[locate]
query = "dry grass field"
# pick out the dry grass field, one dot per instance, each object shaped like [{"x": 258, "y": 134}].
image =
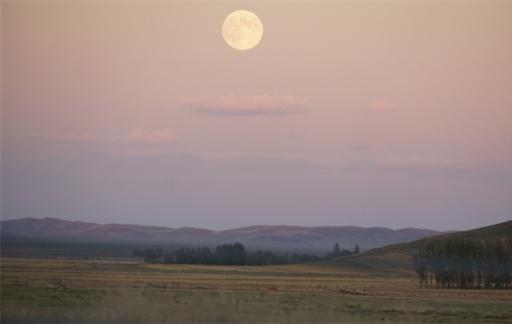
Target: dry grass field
[{"x": 85, "y": 291}]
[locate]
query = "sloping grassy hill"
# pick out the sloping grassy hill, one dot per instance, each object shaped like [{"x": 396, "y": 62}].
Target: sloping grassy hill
[{"x": 396, "y": 259}]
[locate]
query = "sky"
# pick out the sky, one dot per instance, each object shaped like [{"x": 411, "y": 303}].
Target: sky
[{"x": 385, "y": 113}]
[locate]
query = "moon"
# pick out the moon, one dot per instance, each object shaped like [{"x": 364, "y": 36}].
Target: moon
[{"x": 242, "y": 30}]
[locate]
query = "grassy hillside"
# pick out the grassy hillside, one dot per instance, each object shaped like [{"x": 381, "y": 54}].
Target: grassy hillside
[
  {"x": 396, "y": 259},
  {"x": 493, "y": 232}
]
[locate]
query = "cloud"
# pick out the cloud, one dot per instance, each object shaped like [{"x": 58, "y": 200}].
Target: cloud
[
  {"x": 381, "y": 105},
  {"x": 246, "y": 105},
  {"x": 423, "y": 162},
  {"x": 136, "y": 136},
  {"x": 137, "y": 142},
  {"x": 362, "y": 148},
  {"x": 150, "y": 137}
]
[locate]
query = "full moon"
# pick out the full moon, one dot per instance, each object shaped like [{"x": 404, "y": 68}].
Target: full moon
[{"x": 242, "y": 30}]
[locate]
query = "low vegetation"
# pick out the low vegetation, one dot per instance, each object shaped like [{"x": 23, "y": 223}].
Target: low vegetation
[{"x": 35, "y": 290}]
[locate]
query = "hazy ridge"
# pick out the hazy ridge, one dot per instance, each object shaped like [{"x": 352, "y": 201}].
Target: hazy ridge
[{"x": 276, "y": 237}]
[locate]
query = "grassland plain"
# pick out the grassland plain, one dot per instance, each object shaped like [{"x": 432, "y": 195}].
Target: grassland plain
[{"x": 37, "y": 290}]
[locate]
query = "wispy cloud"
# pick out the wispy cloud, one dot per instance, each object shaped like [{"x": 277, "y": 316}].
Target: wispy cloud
[
  {"x": 135, "y": 136},
  {"x": 381, "y": 105},
  {"x": 362, "y": 148},
  {"x": 137, "y": 142},
  {"x": 245, "y": 105},
  {"x": 424, "y": 162}
]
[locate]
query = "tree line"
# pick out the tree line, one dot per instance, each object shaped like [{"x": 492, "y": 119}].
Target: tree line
[
  {"x": 461, "y": 263},
  {"x": 233, "y": 254}
]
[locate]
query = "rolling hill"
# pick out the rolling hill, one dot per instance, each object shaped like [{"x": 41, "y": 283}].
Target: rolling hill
[
  {"x": 397, "y": 258},
  {"x": 276, "y": 238}
]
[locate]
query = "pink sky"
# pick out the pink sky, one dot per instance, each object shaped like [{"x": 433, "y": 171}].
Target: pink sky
[{"x": 347, "y": 113}]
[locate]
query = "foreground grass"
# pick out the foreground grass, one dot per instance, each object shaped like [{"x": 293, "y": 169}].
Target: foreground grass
[{"x": 56, "y": 290}]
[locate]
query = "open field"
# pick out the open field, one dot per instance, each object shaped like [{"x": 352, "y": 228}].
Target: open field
[{"x": 64, "y": 290}]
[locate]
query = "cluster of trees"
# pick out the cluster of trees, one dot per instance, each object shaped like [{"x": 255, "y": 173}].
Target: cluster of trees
[
  {"x": 227, "y": 254},
  {"x": 233, "y": 254},
  {"x": 337, "y": 251},
  {"x": 460, "y": 263}
]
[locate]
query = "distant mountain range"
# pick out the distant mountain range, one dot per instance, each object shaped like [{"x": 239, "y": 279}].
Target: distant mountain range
[{"x": 273, "y": 237}]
